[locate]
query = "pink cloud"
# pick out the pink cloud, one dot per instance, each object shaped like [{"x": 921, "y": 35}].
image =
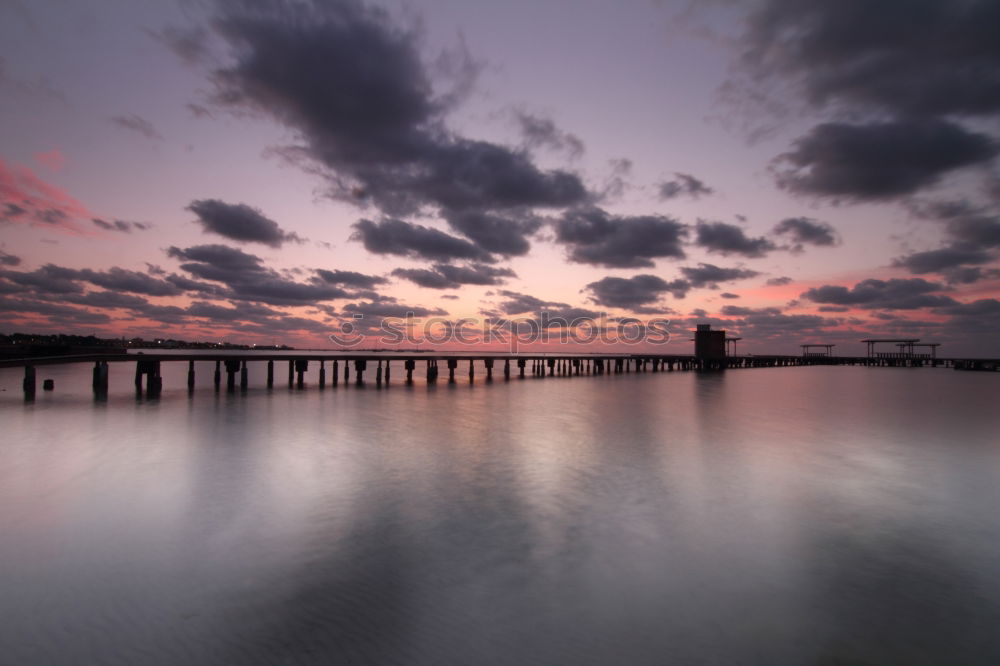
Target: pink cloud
[
  {"x": 53, "y": 160},
  {"x": 26, "y": 198}
]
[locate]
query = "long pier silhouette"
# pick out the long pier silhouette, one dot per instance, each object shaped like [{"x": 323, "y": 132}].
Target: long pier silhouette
[{"x": 336, "y": 368}]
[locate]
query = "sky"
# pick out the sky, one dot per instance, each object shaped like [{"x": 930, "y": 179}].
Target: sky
[{"x": 607, "y": 173}]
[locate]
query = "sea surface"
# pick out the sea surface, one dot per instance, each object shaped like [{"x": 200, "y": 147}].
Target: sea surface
[{"x": 805, "y": 515}]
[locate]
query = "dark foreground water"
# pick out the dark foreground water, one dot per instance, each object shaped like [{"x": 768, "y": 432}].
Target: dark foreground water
[{"x": 772, "y": 516}]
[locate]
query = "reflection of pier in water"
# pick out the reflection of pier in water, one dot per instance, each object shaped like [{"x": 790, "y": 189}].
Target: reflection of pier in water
[{"x": 711, "y": 353}]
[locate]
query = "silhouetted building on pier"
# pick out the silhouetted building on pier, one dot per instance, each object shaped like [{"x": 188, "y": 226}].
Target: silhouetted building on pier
[{"x": 709, "y": 344}]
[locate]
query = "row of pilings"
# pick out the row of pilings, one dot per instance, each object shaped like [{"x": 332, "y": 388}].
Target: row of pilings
[{"x": 149, "y": 382}]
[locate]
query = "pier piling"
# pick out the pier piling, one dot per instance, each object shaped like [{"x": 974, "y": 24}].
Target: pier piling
[{"x": 29, "y": 382}]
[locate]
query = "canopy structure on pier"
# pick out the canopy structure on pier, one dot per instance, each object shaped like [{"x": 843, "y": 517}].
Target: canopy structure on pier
[
  {"x": 905, "y": 346},
  {"x": 807, "y": 349},
  {"x": 732, "y": 342},
  {"x": 930, "y": 345}
]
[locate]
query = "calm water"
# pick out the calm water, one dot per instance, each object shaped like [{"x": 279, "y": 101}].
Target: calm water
[{"x": 776, "y": 516}]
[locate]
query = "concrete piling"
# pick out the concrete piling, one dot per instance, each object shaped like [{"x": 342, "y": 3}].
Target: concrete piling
[
  {"x": 190, "y": 377},
  {"x": 301, "y": 366},
  {"x": 244, "y": 382},
  {"x": 29, "y": 382},
  {"x": 322, "y": 374},
  {"x": 100, "y": 378},
  {"x": 232, "y": 367},
  {"x": 270, "y": 374}
]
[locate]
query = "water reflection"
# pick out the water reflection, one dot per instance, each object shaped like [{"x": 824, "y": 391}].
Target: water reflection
[{"x": 786, "y": 516}]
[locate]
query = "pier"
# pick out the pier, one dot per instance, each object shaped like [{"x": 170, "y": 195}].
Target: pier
[
  {"x": 712, "y": 353},
  {"x": 376, "y": 368}
]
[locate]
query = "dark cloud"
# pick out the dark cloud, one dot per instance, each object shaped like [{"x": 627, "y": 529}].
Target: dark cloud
[
  {"x": 779, "y": 281},
  {"x": 240, "y": 311},
  {"x": 518, "y": 303},
  {"x": 501, "y": 234},
  {"x": 122, "y": 226},
  {"x": 548, "y": 313},
  {"x": 936, "y": 261},
  {"x": 683, "y": 184},
  {"x": 49, "y": 279},
  {"x": 969, "y": 274},
  {"x": 804, "y": 231},
  {"x": 978, "y": 308},
  {"x": 7, "y": 259},
  {"x": 710, "y": 275},
  {"x": 727, "y": 294},
  {"x": 972, "y": 235},
  {"x": 879, "y": 160},
  {"x": 52, "y": 279},
  {"x": 741, "y": 311},
  {"x": 372, "y": 124},
  {"x": 905, "y": 57},
  {"x": 635, "y": 293},
  {"x": 55, "y": 312},
  {"x": 107, "y": 300},
  {"x": 350, "y": 278},
  {"x": 134, "y": 123},
  {"x": 246, "y": 278},
  {"x": 594, "y": 236},
  {"x": 239, "y": 222},
  {"x": 446, "y": 276},
  {"x": 892, "y": 294},
  {"x": 540, "y": 132},
  {"x": 771, "y": 323},
  {"x": 975, "y": 228},
  {"x": 391, "y": 236},
  {"x": 383, "y": 309},
  {"x": 727, "y": 239},
  {"x": 120, "y": 279}
]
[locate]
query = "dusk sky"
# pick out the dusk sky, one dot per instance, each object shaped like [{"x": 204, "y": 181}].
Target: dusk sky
[{"x": 260, "y": 172}]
